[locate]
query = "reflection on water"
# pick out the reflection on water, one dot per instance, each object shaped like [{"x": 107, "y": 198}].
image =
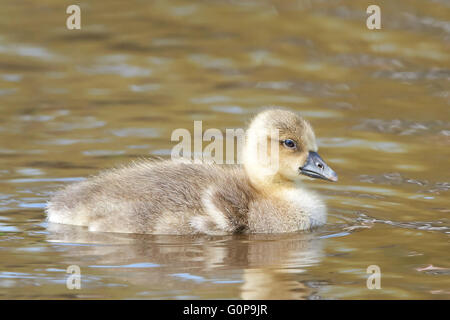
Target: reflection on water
[
  {"x": 75, "y": 102},
  {"x": 271, "y": 262}
]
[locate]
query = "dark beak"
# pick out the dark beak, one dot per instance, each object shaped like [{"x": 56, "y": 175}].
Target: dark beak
[{"x": 315, "y": 167}]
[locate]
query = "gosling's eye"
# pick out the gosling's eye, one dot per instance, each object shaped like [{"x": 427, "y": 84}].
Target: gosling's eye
[{"x": 288, "y": 143}]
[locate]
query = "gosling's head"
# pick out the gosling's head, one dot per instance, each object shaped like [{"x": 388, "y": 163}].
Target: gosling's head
[{"x": 281, "y": 145}]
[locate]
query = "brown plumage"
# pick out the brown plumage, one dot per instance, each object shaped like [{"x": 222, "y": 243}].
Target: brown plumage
[{"x": 179, "y": 197}]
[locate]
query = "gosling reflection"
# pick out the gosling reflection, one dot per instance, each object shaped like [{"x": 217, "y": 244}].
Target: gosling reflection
[{"x": 257, "y": 266}]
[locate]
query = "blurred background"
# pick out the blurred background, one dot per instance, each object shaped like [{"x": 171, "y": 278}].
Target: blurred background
[{"x": 73, "y": 102}]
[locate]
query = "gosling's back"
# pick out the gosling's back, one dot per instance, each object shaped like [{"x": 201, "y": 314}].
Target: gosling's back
[{"x": 158, "y": 197}]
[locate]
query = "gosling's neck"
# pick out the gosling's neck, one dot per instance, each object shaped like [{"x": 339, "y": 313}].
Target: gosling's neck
[{"x": 269, "y": 183}]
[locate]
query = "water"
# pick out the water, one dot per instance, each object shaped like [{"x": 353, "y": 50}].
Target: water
[{"x": 75, "y": 102}]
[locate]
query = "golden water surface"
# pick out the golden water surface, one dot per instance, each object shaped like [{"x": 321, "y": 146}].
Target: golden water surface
[{"x": 73, "y": 102}]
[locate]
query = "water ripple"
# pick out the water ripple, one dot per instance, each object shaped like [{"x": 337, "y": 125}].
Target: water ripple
[{"x": 404, "y": 127}]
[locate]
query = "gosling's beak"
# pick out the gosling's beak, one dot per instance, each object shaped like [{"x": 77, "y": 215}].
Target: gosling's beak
[{"x": 315, "y": 167}]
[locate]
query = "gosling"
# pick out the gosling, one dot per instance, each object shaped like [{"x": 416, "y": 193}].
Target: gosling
[{"x": 265, "y": 194}]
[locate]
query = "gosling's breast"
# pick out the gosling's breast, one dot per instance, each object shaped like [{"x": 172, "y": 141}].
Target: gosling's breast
[{"x": 309, "y": 207}]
